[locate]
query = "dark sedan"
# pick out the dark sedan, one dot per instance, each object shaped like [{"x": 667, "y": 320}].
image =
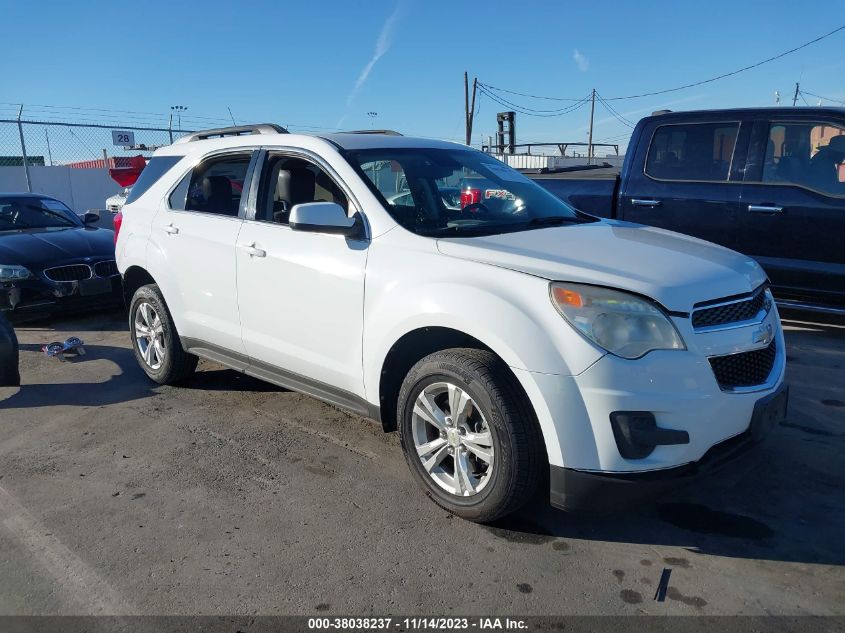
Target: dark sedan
[{"x": 50, "y": 259}]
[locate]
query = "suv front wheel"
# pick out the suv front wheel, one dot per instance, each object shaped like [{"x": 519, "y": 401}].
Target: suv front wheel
[
  {"x": 469, "y": 433},
  {"x": 155, "y": 340}
]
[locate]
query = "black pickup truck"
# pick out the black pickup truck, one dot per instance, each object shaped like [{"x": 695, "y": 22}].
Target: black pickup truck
[{"x": 768, "y": 182}]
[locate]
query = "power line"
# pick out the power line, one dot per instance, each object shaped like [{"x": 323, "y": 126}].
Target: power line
[
  {"x": 690, "y": 85},
  {"x": 523, "y": 94},
  {"x": 812, "y": 94},
  {"x": 530, "y": 111},
  {"x": 508, "y": 103},
  {"x": 615, "y": 114}
]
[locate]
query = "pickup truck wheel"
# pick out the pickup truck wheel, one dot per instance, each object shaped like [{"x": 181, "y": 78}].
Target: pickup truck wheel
[
  {"x": 155, "y": 340},
  {"x": 469, "y": 434}
]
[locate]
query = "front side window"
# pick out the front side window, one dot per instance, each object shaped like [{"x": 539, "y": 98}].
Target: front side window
[
  {"x": 287, "y": 181},
  {"x": 810, "y": 155},
  {"x": 443, "y": 192},
  {"x": 214, "y": 186},
  {"x": 698, "y": 151}
]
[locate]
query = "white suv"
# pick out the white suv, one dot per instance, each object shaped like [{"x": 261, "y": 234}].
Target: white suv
[{"x": 506, "y": 338}]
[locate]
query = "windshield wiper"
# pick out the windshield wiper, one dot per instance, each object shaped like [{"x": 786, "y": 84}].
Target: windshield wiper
[{"x": 554, "y": 220}]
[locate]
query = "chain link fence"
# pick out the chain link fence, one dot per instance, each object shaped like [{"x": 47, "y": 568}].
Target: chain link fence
[
  {"x": 69, "y": 160},
  {"x": 48, "y": 143}
]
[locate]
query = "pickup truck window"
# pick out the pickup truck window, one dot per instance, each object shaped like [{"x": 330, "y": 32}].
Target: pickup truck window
[
  {"x": 806, "y": 154},
  {"x": 693, "y": 151}
]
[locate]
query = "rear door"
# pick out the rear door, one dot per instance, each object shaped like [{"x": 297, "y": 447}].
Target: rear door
[
  {"x": 689, "y": 181},
  {"x": 196, "y": 234},
  {"x": 792, "y": 217}
]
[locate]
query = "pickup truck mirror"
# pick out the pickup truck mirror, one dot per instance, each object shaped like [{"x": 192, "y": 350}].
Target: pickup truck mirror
[
  {"x": 323, "y": 217},
  {"x": 91, "y": 216}
]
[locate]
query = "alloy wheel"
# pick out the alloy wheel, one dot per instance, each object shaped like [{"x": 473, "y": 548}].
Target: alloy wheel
[
  {"x": 149, "y": 335},
  {"x": 452, "y": 439}
]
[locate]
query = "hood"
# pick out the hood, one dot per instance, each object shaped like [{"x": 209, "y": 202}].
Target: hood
[
  {"x": 39, "y": 247},
  {"x": 676, "y": 270}
]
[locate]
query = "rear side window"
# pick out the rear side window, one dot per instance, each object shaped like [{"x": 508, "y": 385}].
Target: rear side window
[
  {"x": 698, "y": 151},
  {"x": 155, "y": 169},
  {"x": 214, "y": 186}
]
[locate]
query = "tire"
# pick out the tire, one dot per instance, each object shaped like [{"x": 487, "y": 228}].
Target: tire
[
  {"x": 497, "y": 416},
  {"x": 158, "y": 350}
]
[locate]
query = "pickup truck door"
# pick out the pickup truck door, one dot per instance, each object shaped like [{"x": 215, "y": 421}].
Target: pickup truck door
[
  {"x": 301, "y": 294},
  {"x": 792, "y": 216},
  {"x": 684, "y": 178}
]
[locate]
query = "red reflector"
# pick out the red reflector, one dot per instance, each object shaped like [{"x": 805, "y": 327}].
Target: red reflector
[
  {"x": 118, "y": 220},
  {"x": 470, "y": 196}
]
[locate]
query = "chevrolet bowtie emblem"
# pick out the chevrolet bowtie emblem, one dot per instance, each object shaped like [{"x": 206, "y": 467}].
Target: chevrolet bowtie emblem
[{"x": 763, "y": 334}]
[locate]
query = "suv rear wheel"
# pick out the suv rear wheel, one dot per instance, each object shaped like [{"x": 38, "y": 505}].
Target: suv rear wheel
[
  {"x": 469, "y": 434},
  {"x": 155, "y": 340}
]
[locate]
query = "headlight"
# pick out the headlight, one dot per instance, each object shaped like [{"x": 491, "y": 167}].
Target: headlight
[
  {"x": 12, "y": 272},
  {"x": 621, "y": 323}
]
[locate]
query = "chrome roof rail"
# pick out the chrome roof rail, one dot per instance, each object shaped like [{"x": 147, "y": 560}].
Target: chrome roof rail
[{"x": 238, "y": 130}]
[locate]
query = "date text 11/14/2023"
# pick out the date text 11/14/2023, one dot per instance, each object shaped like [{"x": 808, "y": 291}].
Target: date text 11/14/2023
[{"x": 417, "y": 623}]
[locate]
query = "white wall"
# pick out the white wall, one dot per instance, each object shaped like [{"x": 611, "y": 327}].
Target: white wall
[
  {"x": 80, "y": 189},
  {"x": 528, "y": 161}
]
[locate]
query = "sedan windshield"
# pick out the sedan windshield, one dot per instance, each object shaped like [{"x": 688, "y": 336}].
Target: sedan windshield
[
  {"x": 21, "y": 212},
  {"x": 458, "y": 192}
]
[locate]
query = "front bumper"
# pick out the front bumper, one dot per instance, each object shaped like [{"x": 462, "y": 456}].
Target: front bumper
[
  {"x": 39, "y": 296},
  {"x": 595, "y": 492}
]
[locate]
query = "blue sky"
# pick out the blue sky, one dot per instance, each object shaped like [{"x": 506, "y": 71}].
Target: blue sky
[{"x": 327, "y": 63}]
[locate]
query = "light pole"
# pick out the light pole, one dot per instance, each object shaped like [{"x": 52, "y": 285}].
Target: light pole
[
  {"x": 372, "y": 116},
  {"x": 179, "y": 109}
]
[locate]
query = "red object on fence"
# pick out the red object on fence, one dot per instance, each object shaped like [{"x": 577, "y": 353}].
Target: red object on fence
[{"x": 126, "y": 175}]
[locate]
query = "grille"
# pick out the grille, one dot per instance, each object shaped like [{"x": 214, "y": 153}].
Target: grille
[
  {"x": 746, "y": 369},
  {"x": 734, "y": 312},
  {"x": 106, "y": 269},
  {"x": 74, "y": 272}
]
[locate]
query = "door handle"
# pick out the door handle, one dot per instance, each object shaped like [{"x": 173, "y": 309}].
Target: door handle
[
  {"x": 169, "y": 228},
  {"x": 764, "y": 208},
  {"x": 639, "y": 202},
  {"x": 253, "y": 251}
]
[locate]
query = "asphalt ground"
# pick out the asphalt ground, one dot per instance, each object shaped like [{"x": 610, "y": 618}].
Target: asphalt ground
[{"x": 233, "y": 496}]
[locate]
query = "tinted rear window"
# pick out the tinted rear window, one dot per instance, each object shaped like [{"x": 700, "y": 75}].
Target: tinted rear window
[{"x": 155, "y": 169}]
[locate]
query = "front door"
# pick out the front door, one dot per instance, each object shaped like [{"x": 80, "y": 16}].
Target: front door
[{"x": 301, "y": 294}]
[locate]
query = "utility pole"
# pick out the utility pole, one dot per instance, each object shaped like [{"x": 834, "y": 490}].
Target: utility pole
[
  {"x": 795, "y": 97},
  {"x": 466, "y": 106},
  {"x": 469, "y": 108},
  {"x": 590, "y": 141}
]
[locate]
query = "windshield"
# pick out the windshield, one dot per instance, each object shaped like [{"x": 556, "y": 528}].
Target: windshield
[
  {"x": 21, "y": 212},
  {"x": 448, "y": 192}
]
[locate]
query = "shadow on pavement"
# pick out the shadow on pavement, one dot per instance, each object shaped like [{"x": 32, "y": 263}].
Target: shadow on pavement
[{"x": 759, "y": 516}]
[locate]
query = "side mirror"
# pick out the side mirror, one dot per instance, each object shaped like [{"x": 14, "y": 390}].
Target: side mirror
[
  {"x": 323, "y": 217},
  {"x": 91, "y": 216}
]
